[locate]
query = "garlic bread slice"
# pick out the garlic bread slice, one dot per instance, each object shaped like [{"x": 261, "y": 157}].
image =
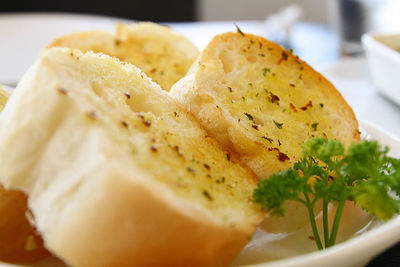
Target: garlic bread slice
[
  {"x": 263, "y": 102},
  {"x": 117, "y": 172},
  {"x": 163, "y": 54}
]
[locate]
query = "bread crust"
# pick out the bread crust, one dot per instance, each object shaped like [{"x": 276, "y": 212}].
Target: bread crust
[
  {"x": 159, "y": 233},
  {"x": 100, "y": 164}
]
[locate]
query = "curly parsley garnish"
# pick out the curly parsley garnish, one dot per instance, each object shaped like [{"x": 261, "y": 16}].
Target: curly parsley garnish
[{"x": 364, "y": 175}]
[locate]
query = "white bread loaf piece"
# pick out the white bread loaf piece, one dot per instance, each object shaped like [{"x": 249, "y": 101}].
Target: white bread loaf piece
[
  {"x": 263, "y": 102},
  {"x": 161, "y": 53},
  {"x": 118, "y": 173},
  {"x": 19, "y": 241}
]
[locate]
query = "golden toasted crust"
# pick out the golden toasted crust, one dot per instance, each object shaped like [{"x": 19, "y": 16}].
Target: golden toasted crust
[
  {"x": 263, "y": 102},
  {"x": 117, "y": 172},
  {"x": 19, "y": 242},
  {"x": 161, "y": 53}
]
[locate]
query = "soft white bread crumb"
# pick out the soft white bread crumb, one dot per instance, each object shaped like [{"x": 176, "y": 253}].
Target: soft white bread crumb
[
  {"x": 118, "y": 174},
  {"x": 163, "y": 54},
  {"x": 263, "y": 102}
]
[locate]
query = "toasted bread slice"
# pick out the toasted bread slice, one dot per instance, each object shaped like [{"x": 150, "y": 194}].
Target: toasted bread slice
[
  {"x": 164, "y": 55},
  {"x": 118, "y": 173},
  {"x": 263, "y": 102},
  {"x": 19, "y": 242}
]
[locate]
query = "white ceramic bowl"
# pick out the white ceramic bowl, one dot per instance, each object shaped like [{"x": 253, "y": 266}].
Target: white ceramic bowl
[{"x": 383, "y": 55}]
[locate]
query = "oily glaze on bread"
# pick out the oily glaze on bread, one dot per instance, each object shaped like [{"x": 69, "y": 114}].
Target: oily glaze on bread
[
  {"x": 19, "y": 241},
  {"x": 263, "y": 102},
  {"x": 118, "y": 174},
  {"x": 161, "y": 53}
]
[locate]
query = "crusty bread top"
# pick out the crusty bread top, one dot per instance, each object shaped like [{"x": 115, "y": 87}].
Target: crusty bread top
[
  {"x": 164, "y": 55},
  {"x": 4, "y": 94},
  {"x": 262, "y": 101},
  {"x": 83, "y": 132}
]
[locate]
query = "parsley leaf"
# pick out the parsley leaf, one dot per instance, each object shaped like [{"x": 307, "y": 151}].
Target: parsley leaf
[{"x": 364, "y": 175}]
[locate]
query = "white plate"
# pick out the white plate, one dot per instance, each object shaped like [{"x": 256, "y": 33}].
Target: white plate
[
  {"x": 24, "y": 35},
  {"x": 356, "y": 251}
]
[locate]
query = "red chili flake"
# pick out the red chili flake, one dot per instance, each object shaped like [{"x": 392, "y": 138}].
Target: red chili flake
[
  {"x": 308, "y": 105},
  {"x": 280, "y": 61},
  {"x": 281, "y": 156},
  {"x": 292, "y": 84},
  {"x": 293, "y": 107},
  {"x": 207, "y": 166},
  {"x": 273, "y": 98},
  {"x": 154, "y": 149},
  {"x": 301, "y": 76},
  {"x": 255, "y": 126},
  {"x": 311, "y": 237},
  {"x": 153, "y": 70},
  {"x": 128, "y": 95}
]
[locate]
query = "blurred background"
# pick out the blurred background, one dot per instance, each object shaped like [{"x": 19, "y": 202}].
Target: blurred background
[{"x": 335, "y": 25}]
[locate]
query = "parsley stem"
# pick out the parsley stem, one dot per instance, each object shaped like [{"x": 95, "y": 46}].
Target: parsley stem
[
  {"x": 325, "y": 221},
  {"x": 313, "y": 223},
  {"x": 335, "y": 226}
]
